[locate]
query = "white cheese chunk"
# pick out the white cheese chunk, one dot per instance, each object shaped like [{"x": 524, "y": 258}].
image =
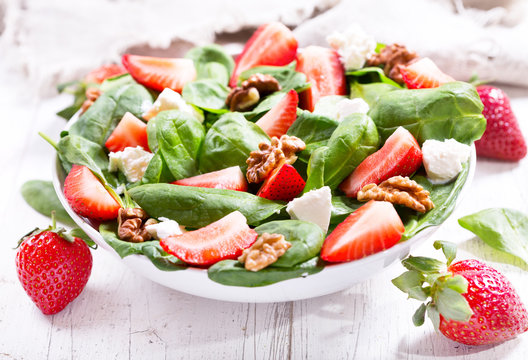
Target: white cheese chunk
[
  {"x": 346, "y": 107},
  {"x": 131, "y": 161},
  {"x": 165, "y": 228},
  {"x": 443, "y": 159},
  {"x": 169, "y": 99},
  {"x": 353, "y": 45},
  {"x": 315, "y": 206}
]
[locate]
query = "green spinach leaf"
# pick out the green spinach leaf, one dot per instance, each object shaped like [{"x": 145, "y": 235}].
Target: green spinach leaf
[
  {"x": 264, "y": 106},
  {"x": 229, "y": 142},
  {"x": 306, "y": 239},
  {"x": 196, "y": 207},
  {"x": 503, "y": 229},
  {"x": 343, "y": 206},
  {"x": 311, "y": 127},
  {"x": 370, "y": 92},
  {"x": 207, "y": 94},
  {"x": 151, "y": 249},
  {"x": 286, "y": 75},
  {"x": 372, "y": 74},
  {"x": 453, "y": 110},
  {"x": 212, "y": 62},
  {"x": 233, "y": 273}
]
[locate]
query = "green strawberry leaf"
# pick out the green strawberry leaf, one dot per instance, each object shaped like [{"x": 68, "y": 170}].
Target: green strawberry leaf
[
  {"x": 434, "y": 315},
  {"x": 418, "y": 293},
  {"x": 419, "y": 315},
  {"x": 448, "y": 248},
  {"x": 408, "y": 280},
  {"x": 457, "y": 283},
  {"x": 423, "y": 264},
  {"x": 452, "y": 305}
]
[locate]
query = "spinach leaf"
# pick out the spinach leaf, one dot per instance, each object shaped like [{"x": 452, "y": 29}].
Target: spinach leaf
[
  {"x": 444, "y": 198},
  {"x": 100, "y": 119},
  {"x": 315, "y": 170},
  {"x": 453, "y": 110},
  {"x": 78, "y": 90},
  {"x": 311, "y": 127},
  {"x": 370, "y": 92},
  {"x": 207, "y": 94},
  {"x": 117, "y": 81},
  {"x": 233, "y": 273},
  {"x": 372, "y": 74},
  {"x": 73, "y": 149},
  {"x": 176, "y": 137},
  {"x": 503, "y": 229},
  {"x": 229, "y": 142},
  {"x": 197, "y": 207},
  {"x": 306, "y": 239},
  {"x": 264, "y": 106},
  {"x": 157, "y": 171},
  {"x": 286, "y": 75},
  {"x": 352, "y": 141},
  {"x": 151, "y": 249},
  {"x": 41, "y": 196},
  {"x": 343, "y": 206},
  {"x": 212, "y": 62}
]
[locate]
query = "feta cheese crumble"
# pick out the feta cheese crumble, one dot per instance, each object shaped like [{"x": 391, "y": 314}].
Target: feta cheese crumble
[
  {"x": 171, "y": 100},
  {"x": 443, "y": 159},
  {"x": 131, "y": 161},
  {"x": 353, "y": 45},
  {"x": 346, "y": 107},
  {"x": 315, "y": 206},
  {"x": 165, "y": 228}
]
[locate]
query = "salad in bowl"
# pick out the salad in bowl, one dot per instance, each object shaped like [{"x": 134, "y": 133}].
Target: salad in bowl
[{"x": 284, "y": 174}]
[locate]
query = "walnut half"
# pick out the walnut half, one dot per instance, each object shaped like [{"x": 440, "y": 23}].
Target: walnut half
[
  {"x": 268, "y": 157},
  {"x": 398, "y": 190},
  {"x": 264, "y": 252},
  {"x": 132, "y": 223},
  {"x": 251, "y": 91},
  {"x": 393, "y": 57}
]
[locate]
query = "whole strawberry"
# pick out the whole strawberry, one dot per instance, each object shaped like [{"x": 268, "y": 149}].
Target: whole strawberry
[
  {"x": 503, "y": 138},
  {"x": 470, "y": 303},
  {"x": 53, "y": 268}
]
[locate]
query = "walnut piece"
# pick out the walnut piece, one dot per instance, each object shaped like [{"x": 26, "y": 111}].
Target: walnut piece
[
  {"x": 393, "y": 57},
  {"x": 251, "y": 91},
  {"x": 398, "y": 190},
  {"x": 91, "y": 95},
  {"x": 264, "y": 252},
  {"x": 132, "y": 224},
  {"x": 268, "y": 157}
]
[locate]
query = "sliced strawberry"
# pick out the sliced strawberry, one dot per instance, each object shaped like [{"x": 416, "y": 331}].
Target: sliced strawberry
[
  {"x": 130, "y": 132},
  {"x": 272, "y": 44},
  {"x": 372, "y": 228},
  {"x": 278, "y": 120},
  {"x": 324, "y": 72},
  {"x": 87, "y": 196},
  {"x": 284, "y": 183},
  {"x": 400, "y": 155},
  {"x": 160, "y": 73},
  {"x": 104, "y": 72},
  {"x": 230, "y": 178},
  {"x": 224, "y": 239},
  {"x": 423, "y": 74}
]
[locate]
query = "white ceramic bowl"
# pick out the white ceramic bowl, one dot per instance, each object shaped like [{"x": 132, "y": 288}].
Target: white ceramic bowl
[{"x": 194, "y": 281}]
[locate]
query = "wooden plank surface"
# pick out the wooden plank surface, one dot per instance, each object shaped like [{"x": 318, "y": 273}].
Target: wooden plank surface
[{"x": 123, "y": 316}]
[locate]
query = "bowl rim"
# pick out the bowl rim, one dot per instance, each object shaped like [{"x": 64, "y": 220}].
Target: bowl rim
[{"x": 195, "y": 281}]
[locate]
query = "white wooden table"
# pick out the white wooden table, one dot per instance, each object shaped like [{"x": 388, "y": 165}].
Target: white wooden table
[{"x": 122, "y": 316}]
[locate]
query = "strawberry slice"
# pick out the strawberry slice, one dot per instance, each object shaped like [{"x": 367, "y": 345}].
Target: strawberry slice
[
  {"x": 423, "y": 74},
  {"x": 400, "y": 155},
  {"x": 87, "y": 196},
  {"x": 272, "y": 44},
  {"x": 284, "y": 183},
  {"x": 372, "y": 228},
  {"x": 160, "y": 73},
  {"x": 104, "y": 72},
  {"x": 224, "y": 239},
  {"x": 278, "y": 120},
  {"x": 130, "y": 132},
  {"x": 324, "y": 72},
  {"x": 230, "y": 178}
]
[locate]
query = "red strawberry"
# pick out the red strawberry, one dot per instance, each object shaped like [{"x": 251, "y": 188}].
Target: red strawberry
[
  {"x": 224, "y": 239},
  {"x": 400, "y": 155},
  {"x": 503, "y": 138},
  {"x": 160, "y": 73},
  {"x": 471, "y": 302},
  {"x": 284, "y": 183},
  {"x": 423, "y": 74},
  {"x": 104, "y": 72},
  {"x": 323, "y": 71},
  {"x": 272, "y": 44},
  {"x": 278, "y": 120},
  {"x": 372, "y": 228},
  {"x": 130, "y": 132},
  {"x": 230, "y": 178},
  {"x": 87, "y": 195},
  {"x": 52, "y": 270}
]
